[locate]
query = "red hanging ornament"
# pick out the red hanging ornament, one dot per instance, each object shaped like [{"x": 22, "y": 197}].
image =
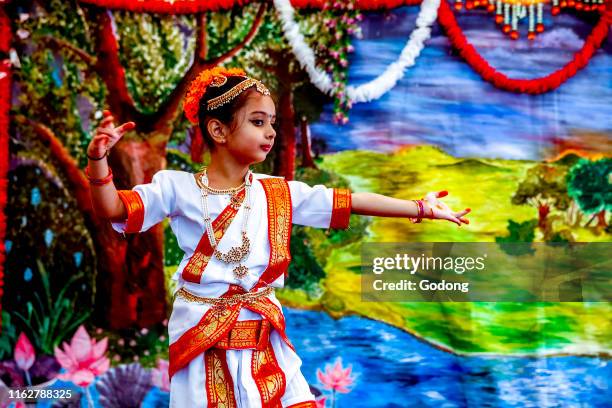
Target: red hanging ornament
[{"x": 510, "y": 14}]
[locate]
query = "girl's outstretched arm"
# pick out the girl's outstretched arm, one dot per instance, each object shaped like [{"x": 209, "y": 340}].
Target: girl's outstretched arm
[
  {"x": 383, "y": 206},
  {"x": 105, "y": 199}
]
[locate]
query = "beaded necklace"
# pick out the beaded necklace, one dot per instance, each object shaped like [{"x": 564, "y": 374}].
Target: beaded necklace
[{"x": 238, "y": 253}]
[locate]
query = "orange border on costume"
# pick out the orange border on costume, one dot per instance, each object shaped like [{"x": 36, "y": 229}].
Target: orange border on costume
[
  {"x": 135, "y": 210},
  {"x": 270, "y": 311},
  {"x": 201, "y": 337},
  {"x": 278, "y": 197},
  {"x": 246, "y": 334},
  {"x": 341, "y": 210},
  {"x": 219, "y": 383},
  {"x": 269, "y": 377}
]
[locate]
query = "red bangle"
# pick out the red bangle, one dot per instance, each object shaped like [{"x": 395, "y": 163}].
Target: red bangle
[
  {"x": 420, "y": 213},
  {"x": 99, "y": 182}
]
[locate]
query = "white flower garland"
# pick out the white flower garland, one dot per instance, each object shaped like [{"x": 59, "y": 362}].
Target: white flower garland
[{"x": 378, "y": 86}]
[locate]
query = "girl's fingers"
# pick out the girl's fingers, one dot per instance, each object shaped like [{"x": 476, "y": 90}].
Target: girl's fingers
[
  {"x": 101, "y": 140},
  {"x": 125, "y": 127},
  {"x": 455, "y": 220},
  {"x": 106, "y": 131},
  {"x": 462, "y": 213},
  {"x": 443, "y": 206},
  {"x": 106, "y": 121},
  {"x": 113, "y": 137}
]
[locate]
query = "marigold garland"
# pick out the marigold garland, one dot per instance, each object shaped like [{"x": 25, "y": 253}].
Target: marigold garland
[
  {"x": 534, "y": 86},
  {"x": 198, "y": 87},
  {"x": 198, "y": 6}
]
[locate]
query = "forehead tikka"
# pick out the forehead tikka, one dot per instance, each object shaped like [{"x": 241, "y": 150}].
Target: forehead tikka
[{"x": 226, "y": 97}]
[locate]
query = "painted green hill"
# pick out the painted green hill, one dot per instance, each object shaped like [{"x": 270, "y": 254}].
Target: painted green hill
[{"x": 486, "y": 186}]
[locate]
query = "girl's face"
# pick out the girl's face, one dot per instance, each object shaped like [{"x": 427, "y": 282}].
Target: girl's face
[{"x": 253, "y": 134}]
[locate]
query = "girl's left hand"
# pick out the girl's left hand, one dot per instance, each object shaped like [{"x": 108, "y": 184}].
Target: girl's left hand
[{"x": 442, "y": 211}]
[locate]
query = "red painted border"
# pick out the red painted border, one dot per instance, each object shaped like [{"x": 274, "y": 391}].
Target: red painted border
[
  {"x": 5, "y": 104},
  {"x": 196, "y": 6}
]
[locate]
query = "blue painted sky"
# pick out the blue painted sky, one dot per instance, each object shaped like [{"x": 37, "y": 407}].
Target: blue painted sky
[{"x": 442, "y": 101}]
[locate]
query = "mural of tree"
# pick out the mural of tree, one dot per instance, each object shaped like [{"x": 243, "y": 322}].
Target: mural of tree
[
  {"x": 590, "y": 184},
  {"x": 544, "y": 188},
  {"x": 299, "y": 102},
  {"x": 78, "y": 59}
]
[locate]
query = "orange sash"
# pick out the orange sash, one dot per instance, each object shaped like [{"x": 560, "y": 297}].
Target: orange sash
[{"x": 278, "y": 197}]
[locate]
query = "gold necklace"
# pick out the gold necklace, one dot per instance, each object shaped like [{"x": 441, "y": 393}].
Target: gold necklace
[
  {"x": 235, "y": 254},
  {"x": 216, "y": 191}
]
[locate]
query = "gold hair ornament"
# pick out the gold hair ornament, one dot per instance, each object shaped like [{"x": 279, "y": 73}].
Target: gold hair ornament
[{"x": 226, "y": 97}]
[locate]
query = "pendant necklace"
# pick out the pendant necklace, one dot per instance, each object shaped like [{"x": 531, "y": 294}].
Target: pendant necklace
[{"x": 238, "y": 253}]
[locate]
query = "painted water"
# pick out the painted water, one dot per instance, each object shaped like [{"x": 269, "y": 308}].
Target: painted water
[{"x": 395, "y": 369}]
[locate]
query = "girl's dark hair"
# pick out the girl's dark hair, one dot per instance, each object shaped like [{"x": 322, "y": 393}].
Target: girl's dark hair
[{"x": 224, "y": 113}]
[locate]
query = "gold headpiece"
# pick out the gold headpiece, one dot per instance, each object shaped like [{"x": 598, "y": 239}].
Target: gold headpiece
[
  {"x": 216, "y": 76},
  {"x": 226, "y": 97}
]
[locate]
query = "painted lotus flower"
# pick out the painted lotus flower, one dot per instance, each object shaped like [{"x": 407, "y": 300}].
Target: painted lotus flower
[
  {"x": 336, "y": 378},
  {"x": 83, "y": 359},
  {"x": 24, "y": 353},
  {"x": 159, "y": 375}
]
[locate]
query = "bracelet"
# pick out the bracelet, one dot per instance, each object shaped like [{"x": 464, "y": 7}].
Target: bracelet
[
  {"x": 97, "y": 158},
  {"x": 99, "y": 182},
  {"x": 421, "y": 212}
]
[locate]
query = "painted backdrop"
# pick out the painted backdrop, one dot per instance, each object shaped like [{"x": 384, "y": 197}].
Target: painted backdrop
[{"x": 519, "y": 130}]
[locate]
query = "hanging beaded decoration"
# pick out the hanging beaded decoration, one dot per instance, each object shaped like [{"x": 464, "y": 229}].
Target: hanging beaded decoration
[{"x": 508, "y": 13}]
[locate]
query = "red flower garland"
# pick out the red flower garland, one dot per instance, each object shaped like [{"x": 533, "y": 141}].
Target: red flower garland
[
  {"x": 5, "y": 101},
  {"x": 531, "y": 86},
  {"x": 197, "y": 6},
  {"x": 446, "y": 18}
]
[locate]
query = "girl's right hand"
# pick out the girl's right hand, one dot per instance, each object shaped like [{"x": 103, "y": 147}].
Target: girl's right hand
[
  {"x": 441, "y": 211},
  {"x": 107, "y": 135}
]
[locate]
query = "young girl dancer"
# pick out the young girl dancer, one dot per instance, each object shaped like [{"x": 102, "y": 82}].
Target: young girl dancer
[{"x": 228, "y": 346}]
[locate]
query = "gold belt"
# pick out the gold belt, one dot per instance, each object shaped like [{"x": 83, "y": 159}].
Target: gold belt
[
  {"x": 220, "y": 302},
  {"x": 246, "y": 334}
]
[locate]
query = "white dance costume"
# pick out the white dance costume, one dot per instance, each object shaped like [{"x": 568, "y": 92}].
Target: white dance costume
[{"x": 233, "y": 353}]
